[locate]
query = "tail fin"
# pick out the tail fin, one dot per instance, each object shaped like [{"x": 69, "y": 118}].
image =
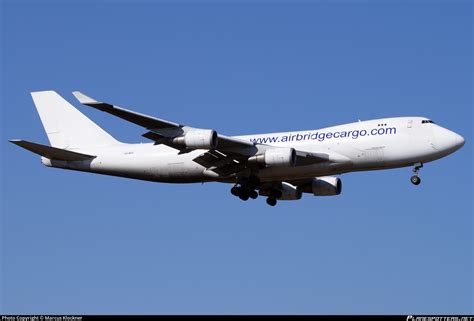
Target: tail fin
[{"x": 66, "y": 126}]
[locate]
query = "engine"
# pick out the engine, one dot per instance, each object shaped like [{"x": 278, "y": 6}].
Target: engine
[
  {"x": 289, "y": 192},
  {"x": 285, "y": 192},
  {"x": 326, "y": 186},
  {"x": 275, "y": 157},
  {"x": 198, "y": 139}
]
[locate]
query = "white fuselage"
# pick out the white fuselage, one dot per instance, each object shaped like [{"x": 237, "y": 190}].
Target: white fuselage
[{"x": 365, "y": 145}]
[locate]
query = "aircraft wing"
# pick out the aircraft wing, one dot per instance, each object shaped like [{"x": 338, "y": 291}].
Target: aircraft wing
[
  {"x": 220, "y": 163},
  {"x": 159, "y": 130},
  {"x": 307, "y": 158},
  {"x": 224, "y": 142},
  {"x": 229, "y": 156}
]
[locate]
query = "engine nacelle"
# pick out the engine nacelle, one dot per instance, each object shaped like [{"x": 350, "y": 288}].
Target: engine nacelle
[
  {"x": 286, "y": 192},
  {"x": 326, "y": 186},
  {"x": 289, "y": 192},
  {"x": 275, "y": 157},
  {"x": 198, "y": 139}
]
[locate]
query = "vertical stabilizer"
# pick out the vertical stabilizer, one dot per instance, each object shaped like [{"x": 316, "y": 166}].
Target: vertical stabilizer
[{"x": 66, "y": 126}]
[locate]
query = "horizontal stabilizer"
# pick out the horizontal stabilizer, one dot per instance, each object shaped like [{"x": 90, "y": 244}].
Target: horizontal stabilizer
[{"x": 51, "y": 152}]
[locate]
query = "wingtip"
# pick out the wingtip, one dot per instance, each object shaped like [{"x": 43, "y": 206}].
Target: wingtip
[
  {"x": 84, "y": 99},
  {"x": 42, "y": 92},
  {"x": 17, "y": 142}
]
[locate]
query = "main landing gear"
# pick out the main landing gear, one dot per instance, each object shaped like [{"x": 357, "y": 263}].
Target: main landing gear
[
  {"x": 244, "y": 192},
  {"x": 271, "y": 201},
  {"x": 415, "y": 179},
  {"x": 272, "y": 198}
]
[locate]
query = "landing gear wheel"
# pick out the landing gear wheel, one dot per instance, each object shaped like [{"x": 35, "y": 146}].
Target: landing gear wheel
[
  {"x": 235, "y": 191},
  {"x": 244, "y": 197},
  {"x": 415, "y": 180},
  {"x": 271, "y": 201},
  {"x": 253, "y": 194}
]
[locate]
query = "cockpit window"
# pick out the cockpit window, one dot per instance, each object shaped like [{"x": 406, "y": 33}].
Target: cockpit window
[{"x": 426, "y": 121}]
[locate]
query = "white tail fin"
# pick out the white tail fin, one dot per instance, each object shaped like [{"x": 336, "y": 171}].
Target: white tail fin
[{"x": 66, "y": 126}]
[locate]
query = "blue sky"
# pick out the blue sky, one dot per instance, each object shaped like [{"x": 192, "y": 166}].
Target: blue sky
[{"x": 82, "y": 243}]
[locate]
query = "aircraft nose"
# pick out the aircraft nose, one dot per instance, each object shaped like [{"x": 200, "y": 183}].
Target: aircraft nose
[
  {"x": 447, "y": 140},
  {"x": 458, "y": 140}
]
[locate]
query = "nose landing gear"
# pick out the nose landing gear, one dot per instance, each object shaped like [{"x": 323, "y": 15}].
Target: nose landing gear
[{"x": 415, "y": 179}]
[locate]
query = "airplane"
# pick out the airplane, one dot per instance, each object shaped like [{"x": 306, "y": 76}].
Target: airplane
[{"x": 278, "y": 166}]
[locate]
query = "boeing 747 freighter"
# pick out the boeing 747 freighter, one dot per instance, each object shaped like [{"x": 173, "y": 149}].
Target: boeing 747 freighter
[{"x": 279, "y": 166}]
